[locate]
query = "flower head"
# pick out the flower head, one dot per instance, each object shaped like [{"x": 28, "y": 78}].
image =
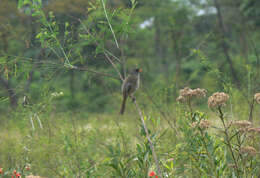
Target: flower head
[
  {"x": 242, "y": 123},
  {"x": 257, "y": 97},
  {"x": 218, "y": 99},
  {"x": 1, "y": 170},
  {"x": 254, "y": 130},
  {"x": 249, "y": 150},
  {"x": 243, "y": 130},
  {"x": 188, "y": 93},
  {"x": 199, "y": 93},
  {"x": 204, "y": 124}
]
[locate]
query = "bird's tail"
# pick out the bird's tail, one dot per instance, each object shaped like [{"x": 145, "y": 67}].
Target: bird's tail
[{"x": 122, "y": 110}]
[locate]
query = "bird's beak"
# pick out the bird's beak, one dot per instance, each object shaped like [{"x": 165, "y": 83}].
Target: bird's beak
[{"x": 140, "y": 70}]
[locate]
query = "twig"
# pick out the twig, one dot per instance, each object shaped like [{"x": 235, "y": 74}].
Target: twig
[
  {"x": 162, "y": 113},
  {"x": 110, "y": 26},
  {"x": 149, "y": 140},
  {"x": 105, "y": 52},
  {"x": 123, "y": 59},
  {"x": 96, "y": 72},
  {"x": 112, "y": 63},
  {"x": 31, "y": 120},
  {"x": 58, "y": 42},
  {"x": 96, "y": 42},
  {"x": 111, "y": 54},
  {"x": 37, "y": 117}
]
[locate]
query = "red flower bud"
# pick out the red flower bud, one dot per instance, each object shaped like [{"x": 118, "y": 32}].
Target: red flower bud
[
  {"x": 1, "y": 170},
  {"x": 15, "y": 172},
  {"x": 151, "y": 174},
  {"x": 18, "y": 175},
  {"x": 27, "y": 168}
]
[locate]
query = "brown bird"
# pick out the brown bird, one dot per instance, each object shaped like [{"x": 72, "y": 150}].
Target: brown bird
[{"x": 130, "y": 85}]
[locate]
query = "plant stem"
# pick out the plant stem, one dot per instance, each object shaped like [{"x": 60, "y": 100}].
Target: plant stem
[
  {"x": 110, "y": 26},
  {"x": 149, "y": 140},
  {"x": 209, "y": 155},
  {"x": 221, "y": 116}
]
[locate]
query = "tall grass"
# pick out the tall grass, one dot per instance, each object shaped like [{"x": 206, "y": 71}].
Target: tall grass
[{"x": 72, "y": 145}]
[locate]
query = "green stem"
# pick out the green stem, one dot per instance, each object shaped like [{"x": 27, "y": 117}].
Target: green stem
[
  {"x": 221, "y": 116},
  {"x": 209, "y": 155}
]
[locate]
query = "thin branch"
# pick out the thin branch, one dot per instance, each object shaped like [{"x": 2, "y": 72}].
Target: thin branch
[
  {"x": 109, "y": 59},
  {"x": 111, "y": 54},
  {"x": 110, "y": 26},
  {"x": 123, "y": 60},
  {"x": 162, "y": 113},
  {"x": 67, "y": 63},
  {"x": 149, "y": 139},
  {"x": 105, "y": 50},
  {"x": 96, "y": 72}
]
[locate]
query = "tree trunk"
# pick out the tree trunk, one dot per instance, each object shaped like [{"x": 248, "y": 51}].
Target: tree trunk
[
  {"x": 224, "y": 44},
  {"x": 34, "y": 67},
  {"x": 157, "y": 39},
  {"x": 177, "y": 53},
  {"x": 12, "y": 96},
  {"x": 6, "y": 84}
]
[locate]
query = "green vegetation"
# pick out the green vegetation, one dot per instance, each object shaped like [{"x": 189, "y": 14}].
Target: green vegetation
[{"x": 62, "y": 63}]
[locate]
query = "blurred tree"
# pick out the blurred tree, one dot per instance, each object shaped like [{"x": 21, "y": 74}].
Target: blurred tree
[{"x": 178, "y": 43}]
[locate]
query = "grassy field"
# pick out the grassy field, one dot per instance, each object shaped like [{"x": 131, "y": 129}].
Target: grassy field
[{"x": 187, "y": 142}]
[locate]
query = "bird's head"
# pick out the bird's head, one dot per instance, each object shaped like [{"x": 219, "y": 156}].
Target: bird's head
[{"x": 136, "y": 71}]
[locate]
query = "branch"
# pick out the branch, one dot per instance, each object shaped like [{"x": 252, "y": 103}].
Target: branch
[
  {"x": 118, "y": 72},
  {"x": 96, "y": 42},
  {"x": 149, "y": 140},
  {"x": 110, "y": 26},
  {"x": 173, "y": 126},
  {"x": 96, "y": 72}
]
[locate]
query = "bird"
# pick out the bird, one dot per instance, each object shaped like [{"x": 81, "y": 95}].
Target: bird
[{"x": 129, "y": 86}]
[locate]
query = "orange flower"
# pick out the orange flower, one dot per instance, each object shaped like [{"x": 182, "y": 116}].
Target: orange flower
[
  {"x": 1, "y": 170},
  {"x": 15, "y": 172}
]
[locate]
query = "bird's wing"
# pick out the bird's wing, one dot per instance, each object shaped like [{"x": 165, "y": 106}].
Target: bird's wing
[{"x": 128, "y": 87}]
